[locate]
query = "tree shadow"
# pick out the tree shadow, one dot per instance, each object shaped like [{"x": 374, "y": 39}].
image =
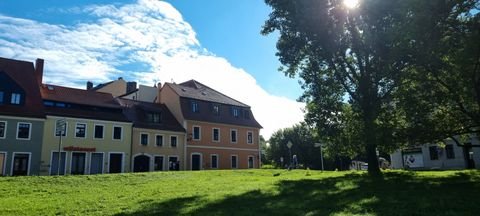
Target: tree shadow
[{"x": 396, "y": 193}]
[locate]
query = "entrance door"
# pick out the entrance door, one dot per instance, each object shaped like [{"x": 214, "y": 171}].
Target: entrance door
[
  {"x": 115, "y": 163},
  {"x": 158, "y": 163},
  {"x": 196, "y": 162},
  {"x": 468, "y": 155},
  {"x": 96, "y": 163},
  {"x": 173, "y": 163},
  {"x": 78, "y": 163},
  {"x": 2, "y": 164},
  {"x": 54, "y": 165},
  {"x": 20, "y": 164},
  {"x": 141, "y": 163}
]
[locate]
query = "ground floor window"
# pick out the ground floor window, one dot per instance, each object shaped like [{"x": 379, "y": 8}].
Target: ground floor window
[
  {"x": 21, "y": 164},
  {"x": 3, "y": 157},
  {"x": 158, "y": 163},
  {"x": 214, "y": 161},
  {"x": 54, "y": 165},
  {"x": 96, "y": 163},
  {"x": 79, "y": 160},
  {"x": 173, "y": 163},
  {"x": 250, "y": 162},
  {"x": 234, "y": 161}
]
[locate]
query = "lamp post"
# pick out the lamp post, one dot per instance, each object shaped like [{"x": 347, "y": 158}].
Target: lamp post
[
  {"x": 60, "y": 128},
  {"x": 321, "y": 155},
  {"x": 289, "y": 145}
]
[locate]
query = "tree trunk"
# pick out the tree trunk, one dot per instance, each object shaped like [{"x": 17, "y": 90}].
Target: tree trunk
[{"x": 370, "y": 140}]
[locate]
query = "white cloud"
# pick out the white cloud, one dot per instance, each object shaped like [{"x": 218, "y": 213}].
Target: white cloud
[{"x": 149, "y": 32}]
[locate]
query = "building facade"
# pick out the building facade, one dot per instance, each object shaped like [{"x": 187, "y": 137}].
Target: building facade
[
  {"x": 21, "y": 117},
  {"x": 222, "y": 133},
  {"x": 90, "y": 130}
]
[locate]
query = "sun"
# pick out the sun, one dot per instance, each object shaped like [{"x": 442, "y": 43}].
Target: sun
[{"x": 351, "y": 3}]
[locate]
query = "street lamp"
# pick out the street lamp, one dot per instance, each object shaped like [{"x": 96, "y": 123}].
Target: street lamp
[{"x": 321, "y": 155}]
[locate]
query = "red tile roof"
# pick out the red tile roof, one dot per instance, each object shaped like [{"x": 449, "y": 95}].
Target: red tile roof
[
  {"x": 23, "y": 74},
  {"x": 78, "y": 96}
]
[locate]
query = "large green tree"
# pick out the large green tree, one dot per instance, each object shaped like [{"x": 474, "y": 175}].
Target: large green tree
[{"x": 359, "y": 56}]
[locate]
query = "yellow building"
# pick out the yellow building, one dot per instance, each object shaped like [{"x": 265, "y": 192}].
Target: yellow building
[{"x": 97, "y": 137}]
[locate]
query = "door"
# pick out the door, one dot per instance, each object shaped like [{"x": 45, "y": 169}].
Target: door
[
  {"x": 196, "y": 162},
  {"x": 115, "y": 163},
  {"x": 96, "y": 163},
  {"x": 2, "y": 164},
  {"x": 54, "y": 165},
  {"x": 158, "y": 163},
  {"x": 78, "y": 163},
  {"x": 141, "y": 163},
  {"x": 173, "y": 163},
  {"x": 20, "y": 164},
  {"x": 468, "y": 155}
]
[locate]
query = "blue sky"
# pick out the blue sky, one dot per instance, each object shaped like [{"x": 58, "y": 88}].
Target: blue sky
[{"x": 217, "y": 42}]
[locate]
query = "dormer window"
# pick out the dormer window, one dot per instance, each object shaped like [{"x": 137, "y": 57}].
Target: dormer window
[
  {"x": 246, "y": 114},
  {"x": 195, "y": 108},
  {"x": 216, "y": 109},
  {"x": 235, "y": 112},
  {"x": 153, "y": 117},
  {"x": 15, "y": 99}
]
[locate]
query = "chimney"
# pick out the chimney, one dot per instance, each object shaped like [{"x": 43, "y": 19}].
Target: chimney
[
  {"x": 131, "y": 86},
  {"x": 159, "y": 93},
  {"x": 89, "y": 85},
  {"x": 39, "y": 70}
]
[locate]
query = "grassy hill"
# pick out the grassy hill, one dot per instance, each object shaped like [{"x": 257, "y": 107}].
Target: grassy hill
[{"x": 244, "y": 192}]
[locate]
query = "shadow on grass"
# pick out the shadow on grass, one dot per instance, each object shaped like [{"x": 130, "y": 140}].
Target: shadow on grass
[
  {"x": 397, "y": 193},
  {"x": 169, "y": 207}
]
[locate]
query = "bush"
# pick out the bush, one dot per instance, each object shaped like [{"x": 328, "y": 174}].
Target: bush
[{"x": 268, "y": 166}]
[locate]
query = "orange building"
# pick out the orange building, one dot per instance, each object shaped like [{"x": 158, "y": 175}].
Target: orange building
[{"x": 222, "y": 132}]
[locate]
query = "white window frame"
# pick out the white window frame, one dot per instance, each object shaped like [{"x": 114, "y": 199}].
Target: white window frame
[
  {"x": 170, "y": 141},
  {"x": 140, "y": 141},
  {"x": 236, "y": 135},
  {"x": 121, "y": 132},
  {"x": 76, "y": 125},
  {"x": 95, "y": 129},
  {"x": 253, "y": 142},
  {"x": 90, "y": 162},
  {"x": 211, "y": 164},
  {"x": 59, "y": 158},
  {"x": 4, "y": 162},
  {"x": 253, "y": 160},
  {"x": 199, "y": 132},
  {"x": 163, "y": 140},
  {"x": 55, "y": 131},
  {"x": 213, "y": 135},
  {"x": 29, "y": 162},
  {"x": 231, "y": 164},
  {"x": 85, "y": 165},
  {"x": 29, "y": 130},
  {"x": 15, "y": 98},
  {"x": 163, "y": 163},
  {"x": 4, "y": 130}
]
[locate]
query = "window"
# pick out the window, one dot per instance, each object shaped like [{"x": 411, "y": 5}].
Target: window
[
  {"x": 143, "y": 139},
  {"x": 15, "y": 99},
  {"x": 3, "y": 130},
  {"x": 23, "y": 130},
  {"x": 449, "y": 151},
  {"x": 61, "y": 127},
  {"x": 195, "y": 108},
  {"x": 158, "y": 163},
  {"x": 433, "y": 153},
  {"x": 234, "y": 161},
  {"x": 233, "y": 135},
  {"x": 173, "y": 141},
  {"x": 1, "y": 97},
  {"x": 216, "y": 109},
  {"x": 117, "y": 132},
  {"x": 98, "y": 133},
  {"x": 250, "y": 162},
  {"x": 80, "y": 130},
  {"x": 216, "y": 135},
  {"x": 235, "y": 112},
  {"x": 246, "y": 114},
  {"x": 173, "y": 163},
  {"x": 249, "y": 137},
  {"x": 196, "y": 132},
  {"x": 214, "y": 161},
  {"x": 159, "y": 140},
  {"x": 153, "y": 117}
]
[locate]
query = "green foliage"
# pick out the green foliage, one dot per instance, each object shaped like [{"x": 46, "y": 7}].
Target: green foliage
[{"x": 244, "y": 192}]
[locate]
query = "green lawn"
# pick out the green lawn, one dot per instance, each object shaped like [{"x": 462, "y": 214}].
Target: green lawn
[{"x": 247, "y": 192}]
